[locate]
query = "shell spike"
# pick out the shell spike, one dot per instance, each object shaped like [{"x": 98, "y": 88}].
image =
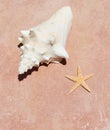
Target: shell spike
[{"x": 46, "y": 42}]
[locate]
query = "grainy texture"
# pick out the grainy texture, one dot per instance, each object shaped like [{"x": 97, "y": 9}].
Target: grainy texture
[{"x": 40, "y": 101}]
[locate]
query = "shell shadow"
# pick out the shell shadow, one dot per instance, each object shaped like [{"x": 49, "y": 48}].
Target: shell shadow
[
  {"x": 23, "y": 76},
  {"x": 20, "y": 44},
  {"x": 63, "y": 62}
]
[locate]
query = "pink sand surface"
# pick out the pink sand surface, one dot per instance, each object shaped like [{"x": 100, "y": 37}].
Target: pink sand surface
[{"x": 39, "y": 100}]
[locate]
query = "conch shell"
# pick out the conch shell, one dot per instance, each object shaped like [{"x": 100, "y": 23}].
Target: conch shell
[{"x": 46, "y": 42}]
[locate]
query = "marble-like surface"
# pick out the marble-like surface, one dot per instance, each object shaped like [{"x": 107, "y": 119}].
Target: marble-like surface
[{"x": 40, "y": 101}]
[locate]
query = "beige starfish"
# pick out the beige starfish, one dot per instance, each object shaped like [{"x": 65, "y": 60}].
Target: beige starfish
[{"x": 80, "y": 80}]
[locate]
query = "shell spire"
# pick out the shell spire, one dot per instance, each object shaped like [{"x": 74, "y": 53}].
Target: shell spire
[{"x": 46, "y": 42}]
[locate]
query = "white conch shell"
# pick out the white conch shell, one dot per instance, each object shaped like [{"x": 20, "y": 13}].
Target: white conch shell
[{"x": 46, "y": 42}]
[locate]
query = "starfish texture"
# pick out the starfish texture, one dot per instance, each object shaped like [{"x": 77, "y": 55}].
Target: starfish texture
[{"x": 79, "y": 80}]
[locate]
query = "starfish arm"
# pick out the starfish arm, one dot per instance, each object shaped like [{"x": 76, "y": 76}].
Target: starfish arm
[
  {"x": 88, "y": 76},
  {"x": 79, "y": 72},
  {"x": 85, "y": 86},
  {"x": 74, "y": 87},
  {"x": 71, "y": 78}
]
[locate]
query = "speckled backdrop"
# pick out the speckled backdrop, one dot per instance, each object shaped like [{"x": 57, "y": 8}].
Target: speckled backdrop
[{"x": 39, "y": 100}]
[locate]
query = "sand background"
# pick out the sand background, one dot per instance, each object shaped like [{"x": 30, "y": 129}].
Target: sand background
[{"x": 39, "y": 100}]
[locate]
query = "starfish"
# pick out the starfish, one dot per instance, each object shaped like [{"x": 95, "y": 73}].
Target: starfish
[{"x": 79, "y": 80}]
